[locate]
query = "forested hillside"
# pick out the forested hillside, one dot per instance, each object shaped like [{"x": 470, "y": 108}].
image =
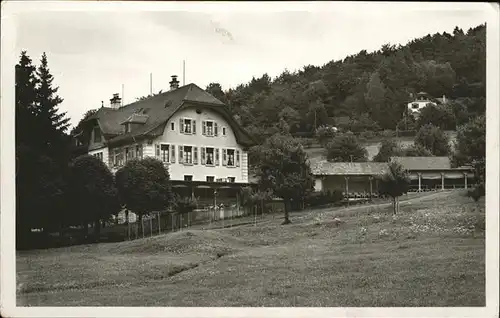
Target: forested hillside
[{"x": 370, "y": 88}]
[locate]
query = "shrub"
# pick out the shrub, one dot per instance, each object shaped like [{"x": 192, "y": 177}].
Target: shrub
[
  {"x": 388, "y": 133},
  {"x": 366, "y": 135},
  {"x": 325, "y": 133},
  {"x": 324, "y": 197}
]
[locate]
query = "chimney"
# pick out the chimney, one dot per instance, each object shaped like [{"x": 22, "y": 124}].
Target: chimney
[
  {"x": 174, "y": 83},
  {"x": 116, "y": 101}
]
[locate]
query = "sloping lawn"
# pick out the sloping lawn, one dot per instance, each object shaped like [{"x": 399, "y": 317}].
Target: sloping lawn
[{"x": 431, "y": 254}]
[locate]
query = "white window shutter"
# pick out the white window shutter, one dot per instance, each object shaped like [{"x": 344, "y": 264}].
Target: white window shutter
[
  {"x": 216, "y": 156},
  {"x": 203, "y": 128},
  {"x": 172, "y": 155},
  {"x": 215, "y": 129},
  {"x": 224, "y": 157},
  {"x": 181, "y": 154},
  {"x": 203, "y": 149},
  {"x": 194, "y": 127},
  {"x": 237, "y": 158},
  {"x": 181, "y": 125},
  {"x": 195, "y": 155}
]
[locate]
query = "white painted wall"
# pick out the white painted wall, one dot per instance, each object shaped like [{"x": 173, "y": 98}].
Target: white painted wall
[
  {"x": 199, "y": 171},
  {"x": 318, "y": 184},
  {"x": 420, "y": 105},
  {"x": 105, "y": 154}
]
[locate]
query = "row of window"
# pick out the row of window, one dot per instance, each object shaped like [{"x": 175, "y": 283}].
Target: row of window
[
  {"x": 187, "y": 126},
  {"x": 209, "y": 156},
  {"x": 120, "y": 156},
  {"x": 209, "y": 128},
  {"x": 98, "y": 155},
  {"x": 210, "y": 179}
]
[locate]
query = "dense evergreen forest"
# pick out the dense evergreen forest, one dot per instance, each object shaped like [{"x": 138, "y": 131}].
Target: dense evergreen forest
[{"x": 372, "y": 89}]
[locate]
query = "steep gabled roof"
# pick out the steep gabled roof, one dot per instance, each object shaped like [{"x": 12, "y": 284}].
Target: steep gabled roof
[{"x": 159, "y": 109}]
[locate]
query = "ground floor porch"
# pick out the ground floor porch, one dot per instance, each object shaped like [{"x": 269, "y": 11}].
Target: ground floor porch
[{"x": 362, "y": 186}]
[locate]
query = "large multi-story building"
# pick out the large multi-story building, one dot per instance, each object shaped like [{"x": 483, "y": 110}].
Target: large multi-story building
[{"x": 186, "y": 128}]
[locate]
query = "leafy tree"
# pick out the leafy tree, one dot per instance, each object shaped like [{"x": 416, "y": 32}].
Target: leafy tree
[
  {"x": 346, "y": 148},
  {"x": 433, "y": 139},
  {"x": 324, "y": 134},
  {"x": 388, "y": 148},
  {"x": 215, "y": 89},
  {"x": 470, "y": 148},
  {"x": 144, "y": 186},
  {"x": 86, "y": 116},
  {"x": 438, "y": 115},
  {"x": 363, "y": 123},
  {"x": 415, "y": 151},
  {"x": 394, "y": 183},
  {"x": 284, "y": 171},
  {"x": 375, "y": 96},
  {"x": 92, "y": 192}
]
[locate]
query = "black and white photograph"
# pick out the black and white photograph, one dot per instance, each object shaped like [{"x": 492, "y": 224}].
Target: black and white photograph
[{"x": 249, "y": 159}]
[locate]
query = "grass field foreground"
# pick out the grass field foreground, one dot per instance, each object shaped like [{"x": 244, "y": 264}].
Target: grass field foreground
[{"x": 431, "y": 254}]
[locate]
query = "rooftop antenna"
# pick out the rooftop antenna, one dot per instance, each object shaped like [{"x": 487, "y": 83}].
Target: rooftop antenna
[
  {"x": 183, "y": 72},
  {"x": 123, "y": 94},
  {"x": 150, "y": 83}
]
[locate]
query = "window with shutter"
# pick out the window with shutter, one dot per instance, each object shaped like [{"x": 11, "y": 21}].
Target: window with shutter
[
  {"x": 215, "y": 129},
  {"x": 172, "y": 155},
  {"x": 195, "y": 155},
  {"x": 237, "y": 158},
  {"x": 202, "y": 155},
  {"x": 181, "y": 125},
  {"x": 217, "y": 156},
  {"x": 224, "y": 157},
  {"x": 194, "y": 127},
  {"x": 209, "y": 159},
  {"x": 230, "y": 158},
  {"x": 203, "y": 128},
  {"x": 181, "y": 153},
  {"x": 164, "y": 153}
]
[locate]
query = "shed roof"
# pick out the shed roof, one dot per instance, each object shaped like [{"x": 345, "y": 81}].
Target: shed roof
[
  {"x": 324, "y": 167},
  {"x": 424, "y": 163}
]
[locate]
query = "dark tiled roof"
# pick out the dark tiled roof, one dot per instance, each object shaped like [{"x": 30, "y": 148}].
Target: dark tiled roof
[
  {"x": 424, "y": 163},
  {"x": 324, "y": 167},
  {"x": 137, "y": 118},
  {"x": 159, "y": 109}
]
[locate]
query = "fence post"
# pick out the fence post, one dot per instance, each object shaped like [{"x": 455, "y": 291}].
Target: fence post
[
  {"x": 159, "y": 224},
  {"x": 172, "y": 223},
  {"x": 150, "y": 226},
  {"x": 128, "y": 230}
]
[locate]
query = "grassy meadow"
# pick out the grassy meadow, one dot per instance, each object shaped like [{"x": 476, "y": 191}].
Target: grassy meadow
[{"x": 431, "y": 254}]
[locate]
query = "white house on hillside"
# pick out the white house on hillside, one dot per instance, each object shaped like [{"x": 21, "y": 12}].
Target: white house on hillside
[{"x": 423, "y": 99}]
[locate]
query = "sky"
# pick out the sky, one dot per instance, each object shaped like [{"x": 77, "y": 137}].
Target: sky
[{"x": 93, "y": 50}]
